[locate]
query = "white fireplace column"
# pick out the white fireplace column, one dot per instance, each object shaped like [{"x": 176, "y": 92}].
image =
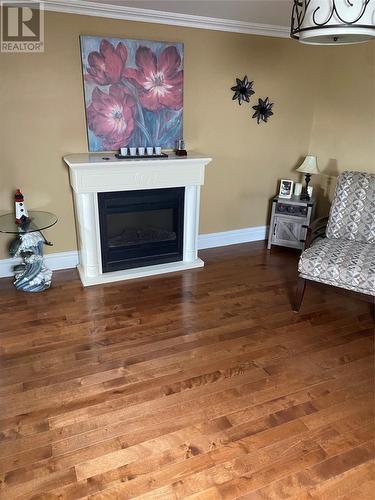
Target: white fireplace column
[
  {"x": 91, "y": 174},
  {"x": 191, "y": 223}
]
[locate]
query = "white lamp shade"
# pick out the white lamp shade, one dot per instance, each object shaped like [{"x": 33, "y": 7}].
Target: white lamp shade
[
  {"x": 309, "y": 165},
  {"x": 333, "y": 22}
]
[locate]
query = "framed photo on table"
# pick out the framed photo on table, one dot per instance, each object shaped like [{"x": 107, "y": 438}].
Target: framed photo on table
[{"x": 286, "y": 188}]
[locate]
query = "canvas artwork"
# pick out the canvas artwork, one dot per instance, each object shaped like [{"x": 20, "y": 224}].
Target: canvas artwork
[{"x": 133, "y": 92}]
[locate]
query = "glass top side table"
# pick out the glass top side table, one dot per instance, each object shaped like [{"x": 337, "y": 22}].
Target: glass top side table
[
  {"x": 38, "y": 222},
  {"x": 31, "y": 275}
]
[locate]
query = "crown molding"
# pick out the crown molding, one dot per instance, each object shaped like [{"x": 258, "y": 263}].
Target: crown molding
[{"x": 83, "y": 7}]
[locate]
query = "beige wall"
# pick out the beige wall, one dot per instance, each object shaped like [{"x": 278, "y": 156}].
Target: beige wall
[
  {"x": 343, "y": 131},
  {"x": 42, "y": 117}
]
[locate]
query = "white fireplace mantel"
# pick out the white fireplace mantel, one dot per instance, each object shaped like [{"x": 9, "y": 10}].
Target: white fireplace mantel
[{"x": 98, "y": 173}]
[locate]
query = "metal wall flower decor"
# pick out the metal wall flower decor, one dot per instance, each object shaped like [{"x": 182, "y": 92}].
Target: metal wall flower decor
[
  {"x": 263, "y": 110},
  {"x": 243, "y": 90}
]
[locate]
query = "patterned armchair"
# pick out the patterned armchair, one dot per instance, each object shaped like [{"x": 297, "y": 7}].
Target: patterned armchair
[{"x": 342, "y": 253}]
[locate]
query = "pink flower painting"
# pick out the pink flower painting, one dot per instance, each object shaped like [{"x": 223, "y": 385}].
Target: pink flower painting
[
  {"x": 107, "y": 66},
  {"x": 158, "y": 79},
  {"x": 133, "y": 92},
  {"x": 111, "y": 116}
]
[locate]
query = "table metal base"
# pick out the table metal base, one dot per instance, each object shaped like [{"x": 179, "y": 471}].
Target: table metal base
[{"x": 31, "y": 275}]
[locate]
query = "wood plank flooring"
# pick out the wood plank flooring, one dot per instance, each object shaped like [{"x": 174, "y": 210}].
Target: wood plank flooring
[{"x": 197, "y": 385}]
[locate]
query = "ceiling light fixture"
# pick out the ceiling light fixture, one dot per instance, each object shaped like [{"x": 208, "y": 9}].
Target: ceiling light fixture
[{"x": 333, "y": 22}]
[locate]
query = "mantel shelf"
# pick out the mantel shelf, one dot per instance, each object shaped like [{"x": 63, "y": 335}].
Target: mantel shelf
[
  {"x": 90, "y": 173},
  {"x": 104, "y": 159}
]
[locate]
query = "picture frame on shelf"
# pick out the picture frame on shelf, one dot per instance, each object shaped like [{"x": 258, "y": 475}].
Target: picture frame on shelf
[{"x": 286, "y": 188}]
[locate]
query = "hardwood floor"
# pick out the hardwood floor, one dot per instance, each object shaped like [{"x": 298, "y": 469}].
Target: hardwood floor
[{"x": 198, "y": 385}]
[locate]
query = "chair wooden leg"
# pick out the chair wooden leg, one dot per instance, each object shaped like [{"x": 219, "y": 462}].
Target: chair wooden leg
[{"x": 301, "y": 285}]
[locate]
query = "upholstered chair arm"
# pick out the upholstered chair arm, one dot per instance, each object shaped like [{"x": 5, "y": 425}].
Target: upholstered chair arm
[{"x": 316, "y": 230}]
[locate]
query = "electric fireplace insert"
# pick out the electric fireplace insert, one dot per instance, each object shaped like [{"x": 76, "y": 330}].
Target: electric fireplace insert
[{"x": 141, "y": 228}]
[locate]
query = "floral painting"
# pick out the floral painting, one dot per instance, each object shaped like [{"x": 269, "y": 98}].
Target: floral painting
[{"x": 133, "y": 92}]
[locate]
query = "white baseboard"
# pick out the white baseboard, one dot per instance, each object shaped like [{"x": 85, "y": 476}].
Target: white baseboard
[
  {"x": 55, "y": 261},
  {"x": 245, "y": 235},
  {"x": 68, "y": 260}
]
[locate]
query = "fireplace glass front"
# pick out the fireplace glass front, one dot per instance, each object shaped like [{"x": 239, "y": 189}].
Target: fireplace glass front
[{"x": 141, "y": 228}]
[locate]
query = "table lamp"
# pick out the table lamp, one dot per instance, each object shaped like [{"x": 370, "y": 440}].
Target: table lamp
[{"x": 308, "y": 167}]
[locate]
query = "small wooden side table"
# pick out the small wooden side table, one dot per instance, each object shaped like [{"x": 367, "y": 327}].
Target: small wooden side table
[{"x": 290, "y": 219}]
